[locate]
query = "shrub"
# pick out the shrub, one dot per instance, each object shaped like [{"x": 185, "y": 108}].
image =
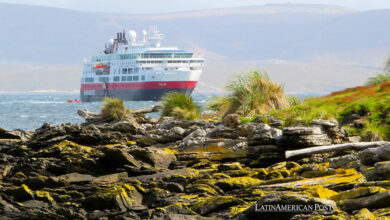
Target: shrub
[
  {"x": 179, "y": 105},
  {"x": 378, "y": 79},
  {"x": 293, "y": 100},
  {"x": 255, "y": 93},
  {"x": 113, "y": 109}
]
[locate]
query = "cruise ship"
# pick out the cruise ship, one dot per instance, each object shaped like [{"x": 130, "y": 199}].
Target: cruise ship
[{"x": 134, "y": 69}]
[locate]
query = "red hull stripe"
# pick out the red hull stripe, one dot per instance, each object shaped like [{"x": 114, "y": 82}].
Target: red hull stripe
[{"x": 141, "y": 85}]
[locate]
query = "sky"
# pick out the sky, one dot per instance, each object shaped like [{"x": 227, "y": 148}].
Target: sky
[{"x": 165, "y": 6}]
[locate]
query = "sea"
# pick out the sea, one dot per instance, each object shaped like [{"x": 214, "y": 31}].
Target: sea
[{"x": 30, "y": 110}]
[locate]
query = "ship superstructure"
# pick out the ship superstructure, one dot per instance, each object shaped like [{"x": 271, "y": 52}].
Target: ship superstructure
[{"x": 139, "y": 70}]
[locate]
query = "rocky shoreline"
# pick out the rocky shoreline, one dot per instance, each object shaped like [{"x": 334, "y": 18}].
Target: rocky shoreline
[{"x": 144, "y": 168}]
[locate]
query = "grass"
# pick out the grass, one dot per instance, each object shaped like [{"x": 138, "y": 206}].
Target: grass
[
  {"x": 113, "y": 109},
  {"x": 250, "y": 94},
  {"x": 180, "y": 106},
  {"x": 371, "y": 103}
]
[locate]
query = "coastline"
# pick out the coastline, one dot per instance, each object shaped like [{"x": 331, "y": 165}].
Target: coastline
[{"x": 145, "y": 168}]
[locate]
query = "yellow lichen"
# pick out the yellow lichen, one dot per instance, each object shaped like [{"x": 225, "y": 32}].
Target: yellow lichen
[
  {"x": 358, "y": 192},
  {"x": 240, "y": 208},
  {"x": 320, "y": 192},
  {"x": 363, "y": 214},
  {"x": 243, "y": 181}
]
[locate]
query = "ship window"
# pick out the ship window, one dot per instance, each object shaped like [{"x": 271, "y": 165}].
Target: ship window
[
  {"x": 103, "y": 79},
  {"x": 130, "y": 70},
  {"x": 136, "y": 70},
  {"x": 130, "y": 78},
  {"x": 124, "y": 71},
  {"x": 135, "y": 78},
  {"x": 116, "y": 78},
  {"x": 89, "y": 80},
  {"x": 123, "y": 78},
  {"x": 143, "y": 77}
]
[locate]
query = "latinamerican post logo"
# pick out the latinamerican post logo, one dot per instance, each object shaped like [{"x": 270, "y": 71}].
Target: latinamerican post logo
[{"x": 294, "y": 208}]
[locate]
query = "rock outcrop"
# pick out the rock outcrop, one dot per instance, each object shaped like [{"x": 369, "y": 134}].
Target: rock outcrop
[{"x": 143, "y": 168}]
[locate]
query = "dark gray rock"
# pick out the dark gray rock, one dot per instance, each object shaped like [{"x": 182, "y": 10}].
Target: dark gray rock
[{"x": 372, "y": 155}]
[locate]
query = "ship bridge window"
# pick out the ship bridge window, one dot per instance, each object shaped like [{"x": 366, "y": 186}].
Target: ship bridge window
[
  {"x": 89, "y": 80},
  {"x": 124, "y": 71},
  {"x": 104, "y": 79},
  {"x": 130, "y": 78},
  {"x": 183, "y": 55},
  {"x": 143, "y": 77},
  {"x": 116, "y": 78},
  {"x": 123, "y": 79},
  {"x": 135, "y": 78}
]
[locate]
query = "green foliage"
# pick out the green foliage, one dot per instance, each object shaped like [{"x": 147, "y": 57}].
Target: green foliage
[
  {"x": 218, "y": 103},
  {"x": 180, "y": 106},
  {"x": 371, "y": 103},
  {"x": 113, "y": 109},
  {"x": 378, "y": 78},
  {"x": 293, "y": 100},
  {"x": 255, "y": 93}
]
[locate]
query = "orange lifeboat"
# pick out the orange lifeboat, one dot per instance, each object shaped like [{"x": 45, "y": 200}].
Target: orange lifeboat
[
  {"x": 69, "y": 100},
  {"x": 100, "y": 66}
]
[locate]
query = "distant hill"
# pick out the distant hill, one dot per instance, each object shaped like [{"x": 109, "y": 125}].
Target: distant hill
[{"x": 295, "y": 33}]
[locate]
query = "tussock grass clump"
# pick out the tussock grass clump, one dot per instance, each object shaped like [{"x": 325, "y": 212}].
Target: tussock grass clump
[
  {"x": 255, "y": 93},
  {"x": 180, "y": 106},
  {"x": 113, "y": 109},
  {"x": 293, "y": 100}
]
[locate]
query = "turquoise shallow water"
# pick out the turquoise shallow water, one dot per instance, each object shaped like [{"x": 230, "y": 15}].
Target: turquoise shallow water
[{"x": 28, "y": 111}]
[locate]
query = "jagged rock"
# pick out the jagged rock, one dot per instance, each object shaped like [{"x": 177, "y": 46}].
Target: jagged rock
[
  {"x": 88, "y": 116},
  {"x": 262, "y": 134},
  {"x": 381, "y": 171},
  {"x": 265, "y": 155},
  {"x": 379, "y": 200},
  {"x": 229, "y": 166},
  {"x": 331, "y": 128},
  {"x": 6, "y": 207},
  {"x": 272, "y": 121},
  {"x": 223, "y": 132},
  {"x": 357, "y": 193},
  {"x": 346, "y": 161},
  {"x": 21, "y": 193},
  {"x": 15, "y": 134},
  {"x": 159, "y": 158},
  {"x": 120, "y": 156},
  {"x": 231, "y": 120},
  {"x": 197, "y": 133},
  {"x": 114, "y": 197},
  {"x": 208, "y": 205},
  {"x": 110, "y": 178},
  {"x": 296, "y": 137},
  {"x": 372, "y": 155},
  {"x": 77, "y": 178},
  {"x": 174, "y": 187},
  {"x": 158, "y": 197},
  {"x": 129, "y": 126}
]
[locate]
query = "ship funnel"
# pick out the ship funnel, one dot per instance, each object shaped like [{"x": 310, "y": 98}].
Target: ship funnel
[{"x": 132, "y": 36}]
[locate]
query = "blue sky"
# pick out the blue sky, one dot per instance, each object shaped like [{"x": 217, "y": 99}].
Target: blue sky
[{"x": 164, "y": 6}]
